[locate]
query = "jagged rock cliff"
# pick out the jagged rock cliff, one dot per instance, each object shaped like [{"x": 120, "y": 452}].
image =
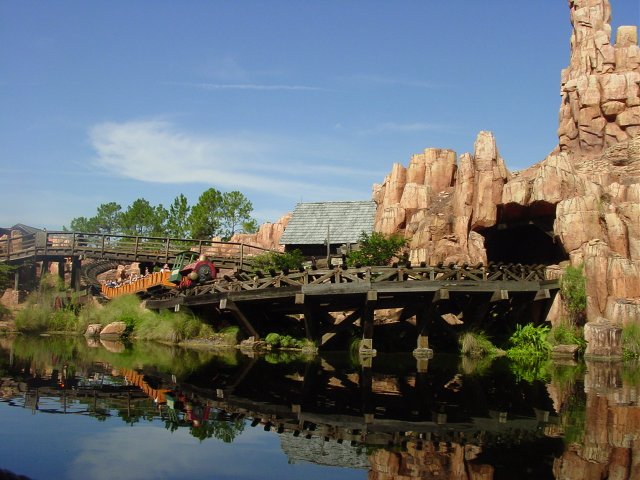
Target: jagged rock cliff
[{"x": 585, "y": 196}]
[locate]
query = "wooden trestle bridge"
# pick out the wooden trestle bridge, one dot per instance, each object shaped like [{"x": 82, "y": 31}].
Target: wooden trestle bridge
[
  {"x": 106, "y": 249},
  {"x": 428, "y": 296},
  {"x": 431, "y": 298}
]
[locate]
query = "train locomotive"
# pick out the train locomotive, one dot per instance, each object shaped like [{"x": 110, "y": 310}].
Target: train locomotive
[{"x": 191, "y": 269}]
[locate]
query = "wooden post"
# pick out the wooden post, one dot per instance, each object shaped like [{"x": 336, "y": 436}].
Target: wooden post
[
  {"x": 135, "y": 252},
  {"x": 240, "y": 317},
  {"x": 328, "y": 246},
  {"x": 366, "y": 346},
  {"x": 366, "y": 390},
  {"x": 75, "y": 273},
  {"x": 166, "y": 251},
  {"x": 61, "y": 269},
  {"x": 241, "y": 255},
  {"x": 424, "y": 317}
]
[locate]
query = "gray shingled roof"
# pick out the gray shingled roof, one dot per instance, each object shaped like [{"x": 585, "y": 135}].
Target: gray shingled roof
[{"x": 346, "y": 220}]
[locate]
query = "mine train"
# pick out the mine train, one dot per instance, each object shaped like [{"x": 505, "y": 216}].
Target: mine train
[{"x": 191, "y": 268}]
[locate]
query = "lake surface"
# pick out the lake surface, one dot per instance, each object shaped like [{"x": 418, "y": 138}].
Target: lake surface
[{"x": 72, "y": 408}]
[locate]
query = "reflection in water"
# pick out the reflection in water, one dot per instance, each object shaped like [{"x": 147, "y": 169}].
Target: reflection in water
[{"x": 397, "y": 418}]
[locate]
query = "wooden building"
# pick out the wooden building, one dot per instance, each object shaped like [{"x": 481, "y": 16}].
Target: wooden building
[{"x": 319, "y": 228}]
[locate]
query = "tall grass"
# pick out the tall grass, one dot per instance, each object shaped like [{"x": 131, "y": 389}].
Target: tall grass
[
  {"x": 145, "y": 324},
  {"x": 631, "y": 341},
  {"x": 477, "y": 345},
  {"x": 40, "y": 313}
]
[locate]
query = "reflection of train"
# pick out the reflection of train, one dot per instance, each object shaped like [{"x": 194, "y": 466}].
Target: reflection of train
[{"x": 191, "y": 268}]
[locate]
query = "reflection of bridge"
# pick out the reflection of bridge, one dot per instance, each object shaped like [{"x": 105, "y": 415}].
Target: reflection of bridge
[{"x": 46, "y": 247}]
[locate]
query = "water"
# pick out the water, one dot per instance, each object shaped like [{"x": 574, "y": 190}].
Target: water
[{"x": 72, "y": 409}]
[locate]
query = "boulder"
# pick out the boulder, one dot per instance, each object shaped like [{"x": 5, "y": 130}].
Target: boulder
[
  {"x": 114, "y": 329},
  {"x": 93, "y": 330},
  {"x": 604, "y": 339}
]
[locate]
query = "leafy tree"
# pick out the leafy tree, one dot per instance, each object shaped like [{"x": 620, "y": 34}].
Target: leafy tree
[
  {"x": 83, "y": 224},
  {"x": 108, "y": 218},
  {"x": 376, "y": 249},
  {"x": 141, "y": 218},
  {"x": 6, "y": 276},
  {"x": 205, "y": 215},
  {"x": 573, "y": 289},
  {"x": 178, "y": 217},
  {"x": 235, "y": 211},
  {"x": 250, "y": 226}
]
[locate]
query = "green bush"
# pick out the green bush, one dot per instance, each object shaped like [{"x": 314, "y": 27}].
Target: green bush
[
  {"x": 529, "y": 341},
  {"x": 376, "y": 249},
  {"x": 573, "y": 289},
  {"x": 279, "y": 261},
  {"x": 275, "y": 340},
  {"x": 563, "y": 334}
]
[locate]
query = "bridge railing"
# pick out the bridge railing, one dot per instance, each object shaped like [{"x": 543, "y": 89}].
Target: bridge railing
[{"x": 131, "y": 247}]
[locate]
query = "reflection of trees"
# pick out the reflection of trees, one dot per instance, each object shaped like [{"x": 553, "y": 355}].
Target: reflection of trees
[{"x": 226, "y": 430}]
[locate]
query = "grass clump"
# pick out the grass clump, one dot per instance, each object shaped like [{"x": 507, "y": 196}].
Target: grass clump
[
  {"x": 477, "y": 345},
  {"x": 631, "y": 341}
]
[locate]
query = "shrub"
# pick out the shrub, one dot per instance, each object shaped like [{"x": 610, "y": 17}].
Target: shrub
[
  {"x": 279, "y": 261},
  {"x": 529, "y": 341},
  {"x": 563, "y": 334},
  {"x": 573, "y": 289},
  {"x": 275, "y": 340},
  {"x": 376, "y": 249}
]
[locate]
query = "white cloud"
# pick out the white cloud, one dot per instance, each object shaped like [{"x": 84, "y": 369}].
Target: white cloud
[{"x": 155, "y": 151}]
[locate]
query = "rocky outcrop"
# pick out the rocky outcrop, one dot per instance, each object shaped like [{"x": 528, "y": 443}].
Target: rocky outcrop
[
  {"x": 600, "y": 88},
  {"x": 589, "y": 185},
  {"x": 267, "y": 236}
]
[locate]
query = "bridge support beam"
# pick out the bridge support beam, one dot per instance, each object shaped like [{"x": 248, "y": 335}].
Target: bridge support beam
[
  {"x": 230, "y": 305},
  {"x": 75, "y": 273},
  {"x": 366, "y": 345},
  {"x": 425, "y": 317}
]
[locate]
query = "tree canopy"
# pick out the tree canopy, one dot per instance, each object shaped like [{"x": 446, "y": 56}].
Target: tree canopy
[{"x": 216, "y": 214}]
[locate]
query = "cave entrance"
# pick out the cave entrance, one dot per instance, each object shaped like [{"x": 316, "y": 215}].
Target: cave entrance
[{"x": 528, "y": 242}]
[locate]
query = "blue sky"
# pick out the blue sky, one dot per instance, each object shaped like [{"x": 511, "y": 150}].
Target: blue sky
[{"x": 286, "y": 101}]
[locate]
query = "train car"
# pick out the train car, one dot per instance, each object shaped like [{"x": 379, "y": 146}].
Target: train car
[{"x": 190, "y": 269}]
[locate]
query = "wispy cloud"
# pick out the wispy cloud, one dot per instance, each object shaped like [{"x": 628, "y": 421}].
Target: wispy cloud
[
  {"x": 156, "y": 151},
  {"x": 254, "y": 86},
  {"x": 386, "y": 80},
  {"x": 412, "y": 127},
  {"x": 251, "y": 86}
]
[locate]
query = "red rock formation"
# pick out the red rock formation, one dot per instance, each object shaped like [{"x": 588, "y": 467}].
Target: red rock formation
[
  {"x": 267, "y": 236},
  {"x": 590, "y": 183}
]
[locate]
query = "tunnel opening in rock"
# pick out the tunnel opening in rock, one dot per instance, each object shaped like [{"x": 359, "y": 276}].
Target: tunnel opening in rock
[{"x": 528, "y": 242}]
